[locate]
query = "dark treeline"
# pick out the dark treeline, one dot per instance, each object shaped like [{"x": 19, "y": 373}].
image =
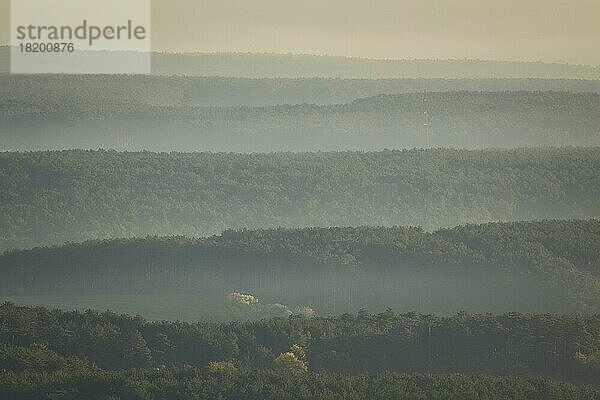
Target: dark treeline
[
  {"x": 564, "y": 347},
  {"x": 35, "y": 91},
  {"x": 469, "y": 120},
  {"x": 54, "y": 197},
  {"x": 206, "y": 384},
  {"x": 549, "y": 266}
]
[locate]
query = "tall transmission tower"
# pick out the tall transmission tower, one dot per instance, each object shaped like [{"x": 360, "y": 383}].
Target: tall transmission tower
[
  {"x": 426, "y": 125},
  {"x": 123, "y": 140}
]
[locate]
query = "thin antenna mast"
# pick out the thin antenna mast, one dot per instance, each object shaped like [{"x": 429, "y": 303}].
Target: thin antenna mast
[{"x": 426, "y": 119}]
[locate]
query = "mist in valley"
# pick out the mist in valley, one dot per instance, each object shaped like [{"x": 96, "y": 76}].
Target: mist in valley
[{"x": 309, "y": 200}]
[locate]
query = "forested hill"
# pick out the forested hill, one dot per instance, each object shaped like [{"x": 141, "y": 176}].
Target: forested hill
[
  {"x": 216, "y": 91},
  {"x": 104, "y": 356},
  {"x": 455, "y": 119},
  {"x": 53, "y": 197},
  {"x": 577, "y": 242},
  {"x": 549, "y": 266}
]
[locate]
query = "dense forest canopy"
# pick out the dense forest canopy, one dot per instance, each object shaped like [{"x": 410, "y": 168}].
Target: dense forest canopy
[
  {"x": 54, "y": 197},
  {"x": 464, "y": 119},
  {"x": 206, "y": 384},
  {"x": 43, "y": 351},
  {"x": 39, "y": 90},
  {"x": 547, "y": 266}
]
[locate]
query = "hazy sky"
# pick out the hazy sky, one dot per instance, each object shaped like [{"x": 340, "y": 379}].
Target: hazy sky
[{"x": 547, "y": 30}]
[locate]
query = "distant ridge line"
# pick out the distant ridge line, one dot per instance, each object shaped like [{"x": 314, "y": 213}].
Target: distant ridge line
[
  {"x": 339, "y": 56},
  {"x": 277, "y": 65}
]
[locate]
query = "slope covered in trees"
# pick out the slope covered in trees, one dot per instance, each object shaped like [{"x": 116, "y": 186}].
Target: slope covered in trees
[
  {"x": 456, "y": 119},
  {"x": 53, "y": 197},
  {"x": 539, "y": 266},
  {"x": 205, "y": 384},
  {"x": 47, "y": 345},
  {"x": 32, "y": 90},
  {"x": 577, "y": 242}
]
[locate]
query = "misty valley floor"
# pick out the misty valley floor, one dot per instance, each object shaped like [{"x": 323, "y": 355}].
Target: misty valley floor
[
  {"x": 543, "y": 266},
  {"x": 155, "y": 307}
]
